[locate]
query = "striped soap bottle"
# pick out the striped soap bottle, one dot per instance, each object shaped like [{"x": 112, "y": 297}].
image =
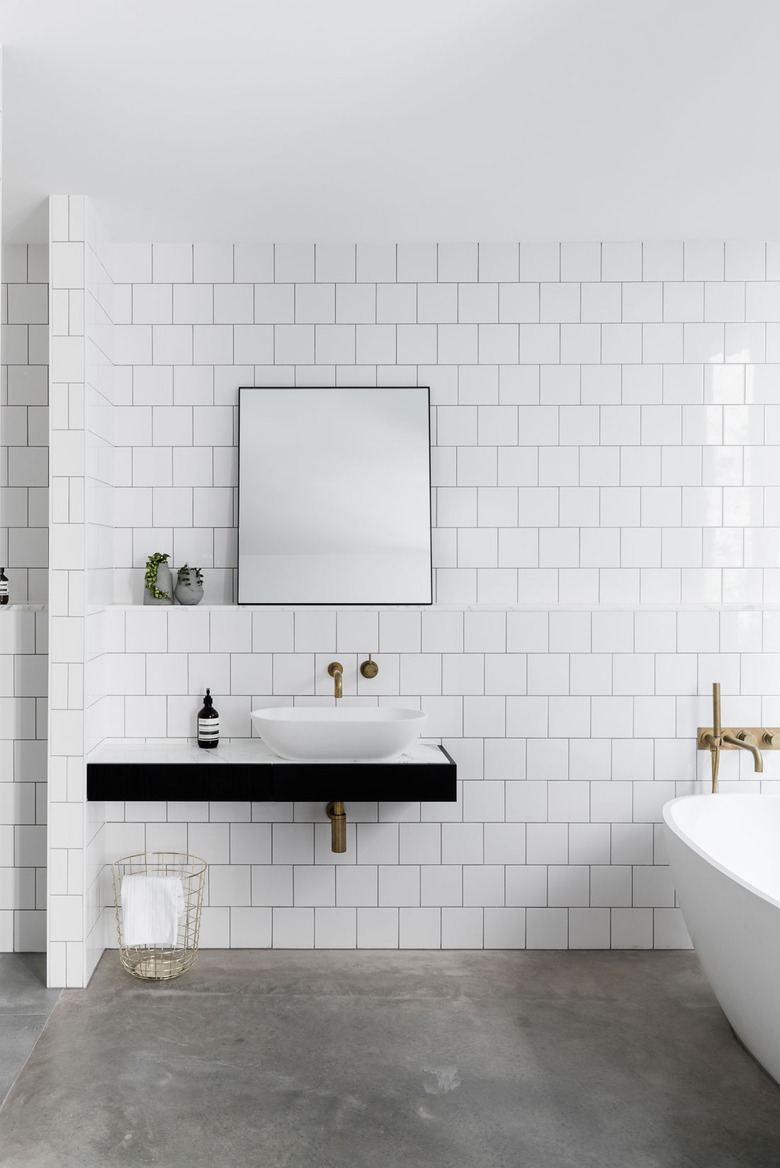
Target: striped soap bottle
[{"x": 208, "y": 724}]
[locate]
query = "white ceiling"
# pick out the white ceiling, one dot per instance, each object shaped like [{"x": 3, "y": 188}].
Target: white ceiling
[{"x": 377, "y": 120}]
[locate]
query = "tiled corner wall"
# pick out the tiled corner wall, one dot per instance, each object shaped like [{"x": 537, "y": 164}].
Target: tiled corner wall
[{"x": 24, "y": 505}]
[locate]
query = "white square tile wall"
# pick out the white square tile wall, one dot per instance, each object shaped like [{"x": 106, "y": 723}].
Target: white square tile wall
[
  {"x": 24, "y": 517},
  {"x": 593, "y": 406},
  {"x": 605, "y": 479},
  {"x": 24, "y": 422},
  {"x": 23, "y": 659}
]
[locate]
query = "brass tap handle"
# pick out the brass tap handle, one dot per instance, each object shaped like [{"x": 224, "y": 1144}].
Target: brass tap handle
[
  {"x": 369, "y": 668},
  {"x": 771, "y": 738}
]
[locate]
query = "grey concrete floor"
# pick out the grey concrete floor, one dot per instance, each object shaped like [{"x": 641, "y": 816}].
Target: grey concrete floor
[
  {"x": 387, "y": 1060},
  {"x": 25, "y": 1004}
]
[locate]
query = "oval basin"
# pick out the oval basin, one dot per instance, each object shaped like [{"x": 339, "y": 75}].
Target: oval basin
[{"x": 338, "y": 734}]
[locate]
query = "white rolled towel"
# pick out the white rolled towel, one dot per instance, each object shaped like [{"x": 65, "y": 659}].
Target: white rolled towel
[{"x": 151, "y": 907}]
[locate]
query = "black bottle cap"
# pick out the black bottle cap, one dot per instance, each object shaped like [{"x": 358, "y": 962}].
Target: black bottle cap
[{"x": 208, "y": 700}]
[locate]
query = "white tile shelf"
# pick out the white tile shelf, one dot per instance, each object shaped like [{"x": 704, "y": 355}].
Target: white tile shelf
[{"x": 248, "y": 770}]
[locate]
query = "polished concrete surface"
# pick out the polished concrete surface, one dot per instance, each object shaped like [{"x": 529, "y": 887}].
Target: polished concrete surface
[
  {"x": 25, "y": 1004},
  {"x": 388, "y": 1060}
]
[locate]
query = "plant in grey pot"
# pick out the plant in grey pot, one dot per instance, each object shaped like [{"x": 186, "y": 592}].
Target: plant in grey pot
[
  {"x": 189, "y": 585},
  {"x": 158, "y": 583}
]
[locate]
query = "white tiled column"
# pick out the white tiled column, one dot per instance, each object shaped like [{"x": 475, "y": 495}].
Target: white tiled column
[{"x": 67, "y": 786}]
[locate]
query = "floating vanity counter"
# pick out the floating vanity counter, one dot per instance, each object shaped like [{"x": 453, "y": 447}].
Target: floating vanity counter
[{"x": 246, "y": 770}]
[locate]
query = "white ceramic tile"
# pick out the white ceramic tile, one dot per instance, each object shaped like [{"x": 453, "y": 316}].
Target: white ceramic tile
[
  {"x": 131, "y": 263},
  {"x": 497, "y": 261},
  {"x": 213, "y": 263},
  {"x": 601, "y": 302},
  {"x": 457, "y": 344},
  {"x": 375, "y": 344},
  {"x": 437, "y": 303},
  {"x": 547, "y": 928},
  {"x": 396, "y": 304},
  {"x": 559, "y": 302},
  {"x": 518, "y": 303},
  {"x": 580, "y": 261},
  {"x": 419, "y": 928},
  {"x": 540, "y": 344},
  {"x": 314, "y": 885},
  {"x": 377, "y": 928},
  {"x": 376, "y": 262},
  {"x": 293, "y": 928},
  {"x": 399, "y": 886},
  {"x": 746, "y": 261},
  {"x": 441, "y": 885},
  {"x": 461, "y": 928},
  {"x": 416, "y": 262}
]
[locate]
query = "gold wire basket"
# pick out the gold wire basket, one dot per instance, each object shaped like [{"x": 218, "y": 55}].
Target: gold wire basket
[{"x": 152, "y": 962}]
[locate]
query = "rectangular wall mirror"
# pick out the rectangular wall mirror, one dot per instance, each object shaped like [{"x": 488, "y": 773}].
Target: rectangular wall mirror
[{"x": 334, "y": 496}]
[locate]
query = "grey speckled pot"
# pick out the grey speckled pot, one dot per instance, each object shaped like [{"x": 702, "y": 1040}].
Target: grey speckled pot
[{"x": 189, "y": 590}]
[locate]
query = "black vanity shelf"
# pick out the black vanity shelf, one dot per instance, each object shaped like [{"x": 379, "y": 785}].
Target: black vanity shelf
[{"x": 247, "y": 771}]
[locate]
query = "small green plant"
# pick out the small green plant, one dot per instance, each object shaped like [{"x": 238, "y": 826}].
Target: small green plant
[
  {"x": 186, "y": 573},
  {"x": 151, "y": 575}
]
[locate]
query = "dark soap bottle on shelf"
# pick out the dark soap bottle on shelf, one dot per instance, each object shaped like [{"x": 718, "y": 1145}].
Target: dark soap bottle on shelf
[
  {"x": 4, "y": 597},
  {"x": 208, "y": 724}
]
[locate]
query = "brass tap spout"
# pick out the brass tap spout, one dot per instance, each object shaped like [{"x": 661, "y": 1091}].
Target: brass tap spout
[
  {"x": 336, "y": 671},
  {"x": 744, "y": 741}
]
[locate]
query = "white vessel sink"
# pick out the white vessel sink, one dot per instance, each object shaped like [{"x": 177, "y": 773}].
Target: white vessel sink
[{"x": 338, "y": 734}]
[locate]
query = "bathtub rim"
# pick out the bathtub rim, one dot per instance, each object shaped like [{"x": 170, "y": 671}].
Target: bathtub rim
[{"x": 673, "y": 826}]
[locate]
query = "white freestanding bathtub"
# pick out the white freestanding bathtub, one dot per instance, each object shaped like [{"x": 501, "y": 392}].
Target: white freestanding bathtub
[{"x": 724, "y": 852}]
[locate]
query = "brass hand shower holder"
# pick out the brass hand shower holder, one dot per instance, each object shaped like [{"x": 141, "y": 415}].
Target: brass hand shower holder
[{"x": 715, "y": 738}]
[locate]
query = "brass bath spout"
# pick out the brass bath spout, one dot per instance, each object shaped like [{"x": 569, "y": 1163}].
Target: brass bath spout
[{"x": 746, "y": 742}]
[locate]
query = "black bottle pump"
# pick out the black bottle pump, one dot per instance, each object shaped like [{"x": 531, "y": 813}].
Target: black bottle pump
[{"x": 208, "y": 724}]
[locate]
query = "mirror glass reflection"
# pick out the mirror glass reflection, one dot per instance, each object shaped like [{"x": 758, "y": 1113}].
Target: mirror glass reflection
[{"x": 334, "y": 496}]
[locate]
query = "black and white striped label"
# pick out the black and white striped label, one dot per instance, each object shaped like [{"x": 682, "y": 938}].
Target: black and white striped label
[
  {"x": 208, "y": 729},
  {"x": 3, "y": 587}
]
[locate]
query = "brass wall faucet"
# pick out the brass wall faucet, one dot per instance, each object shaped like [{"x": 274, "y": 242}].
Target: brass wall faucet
[
  {"x": 715, "y": 739},
  {"x": 336, "y": 671}
]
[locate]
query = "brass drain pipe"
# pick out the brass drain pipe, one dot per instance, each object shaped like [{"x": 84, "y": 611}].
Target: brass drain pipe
[{"x": 338, "y": 826}]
